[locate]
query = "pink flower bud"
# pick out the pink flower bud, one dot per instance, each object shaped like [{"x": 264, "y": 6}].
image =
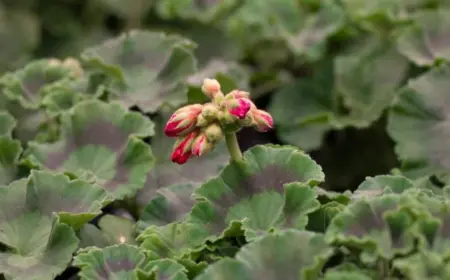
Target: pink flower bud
[
  {"x": 183, "y": 120},
  {"x": 200, "y": 146},
  {"x": 239, "y": 107},
  {"x": 182, "y": 148},
  {"x": 239, "y": 94},
  {"x": 263, "y": 121},
  {"x": 210, "y": 87}
]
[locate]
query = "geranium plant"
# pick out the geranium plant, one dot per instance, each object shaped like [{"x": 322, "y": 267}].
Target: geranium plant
[{"x": 207, "y": 140}]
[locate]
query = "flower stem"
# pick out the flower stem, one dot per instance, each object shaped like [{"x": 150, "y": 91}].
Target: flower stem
[{"x": 233, "y": 146}]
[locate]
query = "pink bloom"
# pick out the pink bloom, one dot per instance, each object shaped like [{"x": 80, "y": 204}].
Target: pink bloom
[
  {"x": 240, "y": 108},
  {"x": 263, "y": 121},
  {"x": 200, "y": 146},
  {"x": 183, "y": 120},
  {"x": 182, "y": 148}
]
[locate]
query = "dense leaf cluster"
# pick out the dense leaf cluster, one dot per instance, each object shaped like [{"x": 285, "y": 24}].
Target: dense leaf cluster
[{"x": 87, "y": 188}]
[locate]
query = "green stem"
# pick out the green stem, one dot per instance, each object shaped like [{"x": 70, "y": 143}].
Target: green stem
[{"x": 233, "y": 146}]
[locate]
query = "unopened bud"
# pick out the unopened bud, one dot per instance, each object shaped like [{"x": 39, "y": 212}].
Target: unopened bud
[
  {"x": 209, "y": 112},
  {"x": 226, "y": 118},
  {"x": 237, "y": 94},
  {"x": 210, "y": 87},
  {"x": 183, "y": 120},
  {"x": 182, "y": 149},
  {"x": 201, "y": 145},
  {"x": 262, "y": 120},
  {"x": 214, "y": 133},
  {"x": 201, "y": 121},
  {"x": 74, "y": 65},
  {"x": 54, "y": 62}
]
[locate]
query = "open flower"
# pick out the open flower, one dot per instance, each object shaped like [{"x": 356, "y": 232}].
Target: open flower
[
  {"x": 239, "y": 107},
  {"x": 182, "y": 148},
  {"x": 201, "y": 145},
  {"x": 183, "y": 120},
  {"x": 263, "y": 121}
]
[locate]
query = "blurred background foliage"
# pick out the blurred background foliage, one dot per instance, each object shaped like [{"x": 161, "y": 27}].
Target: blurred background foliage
[{"x": 326, "y": 69}]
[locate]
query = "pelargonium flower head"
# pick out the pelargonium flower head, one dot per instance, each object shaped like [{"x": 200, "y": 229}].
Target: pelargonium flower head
[
  {"x": 183, "y": 120},
  {"x": 201, "y": 145},
  {"x": 263, "y": 121},
  {"x": 182, "y": 148},
  {"x": 239, "y": 107}
]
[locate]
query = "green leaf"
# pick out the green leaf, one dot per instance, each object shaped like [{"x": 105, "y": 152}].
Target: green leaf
[
  {"x": 37, "y": 247},
  {"x": 367, "y": 78},
  {"x": 100, "y": 142},
  {"x": 426, "y": 40},
  {"x": 378, "y": 226},
  {"x": 20, "y": 34},
  {"x": 10, "y": 151},
  {"x": 200, "y": 10},
  {"x": 7, "y": 123},
  {"x": 311, "y": 37},
  {"x": 130, "y": 11},
  {"x": 113, "y": 262},
  {"x": 26, "y": 85},
  {"x": 171, "y": 204},
  {"x": 423, "y": 266},
  {"x": 288, "y": 255},
  {"x": 175, "y": 240},
  {"x": 257, "y": 193},
  {"x": 166, "y": 269},
  {"x": 346, "y": 275},
  {"x": 378, "y": 185},
  {"x": 148, "y": 69},
  {"x": 418, "y": 124},
  {"x": 303, "y": 110}
]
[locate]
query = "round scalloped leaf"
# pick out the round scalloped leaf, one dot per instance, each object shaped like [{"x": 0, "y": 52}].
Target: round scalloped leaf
[
  {"x": 288, "y": 255},
  {"x": 346, "y": 275},
  {"x": 174, "y": 240},
  {"x": 311, "y": 37},
  {"x": 434, "y": 228},
  {"x": 117, "y": 229},
  {"x": 257, "y": 193},
  {"x": 7, "y": 123},
  {"x": 423, "y": 266},
  {"x": 63, "y": 95},
  {"x": 129, "y": 10},
  {"x": 288, "y": 22},
  {"x": 113, "y": 262},
  {"x": 303, "y": 111},
  {"x": 165, "y": 269},
  {"x": 419, "y": 124},
  {"x": 377, "y": 225},
  {"x": 378, "y": 185},
  {"x": 100, "y": 141},
  {"x": 367, "y": 77},
  {"x": 75, "y": 201},
  {"x": 27, "y": 84},
  {"x": 426, "y": 40},
  {"x": 166, "y": 174},
  {"x": 171, "y": 204},
  {"x": 200, "y": 10},
  {"x": 319, "y": 220},
  {"x": 10, "y": 151},
  {"x": 36, "y": 246},
  {"x": 150, "y": 68}
]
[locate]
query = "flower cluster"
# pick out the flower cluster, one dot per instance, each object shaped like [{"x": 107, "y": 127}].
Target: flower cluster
[{"x": 198, "y": 127}]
